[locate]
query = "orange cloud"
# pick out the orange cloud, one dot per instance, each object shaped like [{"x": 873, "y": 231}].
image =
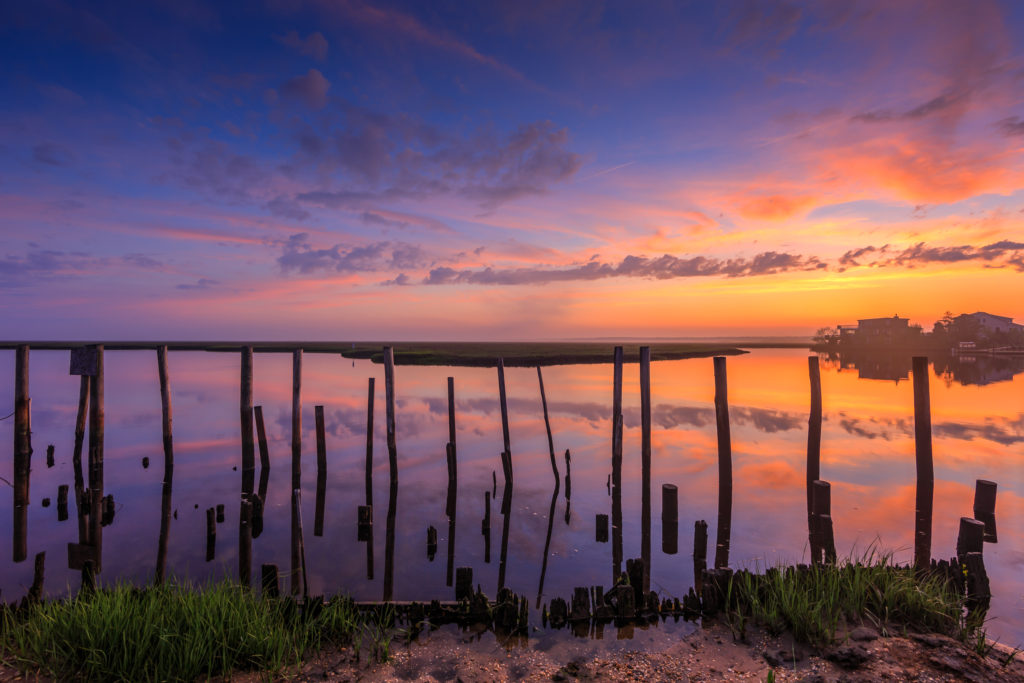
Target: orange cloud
[{"x": 775, "y": 207}]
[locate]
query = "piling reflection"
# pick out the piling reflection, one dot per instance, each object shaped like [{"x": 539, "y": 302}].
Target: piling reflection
[
  {"x": 547, "y": 542},
  {"x": 506, "y": 513}
]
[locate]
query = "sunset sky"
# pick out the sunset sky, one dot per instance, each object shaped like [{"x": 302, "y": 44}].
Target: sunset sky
[{"x": 336, "y": 169}]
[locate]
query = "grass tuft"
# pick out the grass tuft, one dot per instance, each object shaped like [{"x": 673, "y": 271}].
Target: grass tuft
[
  {"x": 813, "y": 602},
  {"x": 173, "y": 632}
]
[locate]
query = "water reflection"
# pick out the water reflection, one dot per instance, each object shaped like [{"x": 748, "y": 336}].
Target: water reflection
[
  {"x": 963, "y": 369},
  {"x": 866, "y": 453}
]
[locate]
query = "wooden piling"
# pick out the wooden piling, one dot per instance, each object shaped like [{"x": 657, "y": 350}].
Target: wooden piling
[
  {"x": 506, "y": 512},
  {"x": 22, "y": 453},
  {"x": 724, "y": 530},
  {"x": 601, "y": 535},
  {"x": 645, "y": 455},
  {"x": 62, "y": 502},
  {"x": 431, "y": 542},
  {"x": 925, "y": 470},
  {"x": 261, "y": 437},
  {"x": 369, "y": 442},
  {"x": 296, "y": 531},
  {"x": 616, "y": 481},
  {"x": 245, "y": 541},
  {"x": 821, "y": 507},
  {"x": 700, "y": 553},
  {"x": 269, "y": 581},
  {"x": 485, "y": 527},
  {"x": 301, "y": 579},
  {"x": 970, "y": 538},
  {"x": 389, "y": 392},
  {"x": 166, "y": 427},
  {"x": 321, "y": 440},
  {"x": 547, "y": 424},
  {"x": 49, "y": 456},
  {"x": 452, "y": 451},
  {"x": 669, "y": 502},
  {"x": 211, "y": 534},
  {"x": 813, "y": 433},
  {"x": 463, "y": 583},
  {"x": 985, "y": 507},
  {"x": 450, "y": 508},
  {"x": 389, "y": 541},
  {"x": 220, "y": 513},
  {"x": 96, "y": 440},
  {"x": 245, "y": 419},
  {"x": 35, "y": 592},
  {"x": 506, "y": 455},
  {"x": 320, "y": 503}
]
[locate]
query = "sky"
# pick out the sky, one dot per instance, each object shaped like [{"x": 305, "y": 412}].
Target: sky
[{"x": 350, "y": 169}]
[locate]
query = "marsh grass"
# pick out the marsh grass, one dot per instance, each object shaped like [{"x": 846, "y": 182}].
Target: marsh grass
[
  {"x": 175, "y": 632},
  {"x": 814, "y": 602}
]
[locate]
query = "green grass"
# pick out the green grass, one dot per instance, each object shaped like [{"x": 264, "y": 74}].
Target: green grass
[
  {"x": 815, "y": 602},
  {"x": 173, "y": 632}
]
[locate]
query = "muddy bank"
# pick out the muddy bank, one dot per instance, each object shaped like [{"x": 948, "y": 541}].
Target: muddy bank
[{"x": 710, "y": 654}]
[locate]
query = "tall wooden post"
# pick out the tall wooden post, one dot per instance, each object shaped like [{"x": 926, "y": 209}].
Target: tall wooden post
[
  {"x": 617, "y": 465},
  {"x": 369, "y": 443},
  {"x": 389, "y": 391},
  {"x": 165, "y": 497},
  {"x": 925, "y": 470},
  {"x": 813, "y": 433},
  {"x": 506, "y": 455},
  {"x": 22, "y": 453},
  {"x": 724, "y": 465},
  {"x": 76, "y": 458},
  {"x": 96, "y": 461},
  {"x": 321, "y": 472},
  {"x": 245, "y": 420},
  {"x": 547, "y": 424},
  {"x": 645, "y": 455},
  {"x": 296, "y": 558}
]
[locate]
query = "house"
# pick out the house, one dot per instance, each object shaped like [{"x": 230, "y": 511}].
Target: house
[
  {"x": 987, "y": 323},
  {"x": 882, "y": 330}
]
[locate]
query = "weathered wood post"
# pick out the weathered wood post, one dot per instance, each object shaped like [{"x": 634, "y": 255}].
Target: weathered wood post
[
  {"x": 506, "y": 512},
  {"x": 506, "y": 455},
  {"x": 166, "y": 418},
  {"x": 96, "y": 441},
  {"x": 669, "y": 519},
  {"x": 985, "y": 507},
  {"x": 321, "y": 471},
  {"x": 645, "y": 455},
  {"x": 297, "y": 511},
  {"x": 700, "y": 554},
  {"x": 261, "y": 436},
  {"x": 369, "y": 443},
  {"x": 547, "y": 424},
  {"x": 76, "y": 457},
  {"x": 970, "y": 538},
  {"x": 925, "y": 470},
  {"x": 451, "y": 451},
  {"x": 35, "y": 592},
  {"x": 724, "y": 465},
  {"x": 297, "y": 576},
  {"x": 271, "y": 586},
  {"x": 389, "y": 391},
  {"x": 245, "y": 541},
  {"x": 617, "y": 465},
  {"x": 245, "y": 420},
  {"x": 389, "y": 541},
  {"x": 813, "y": 435},
  {"x": 823, "y": 546},
  {"x": 463, "y": 583},
  {"x": 211, "y": 534},
  {"x": 485, "y": 527},
  {"x": 62, "y": 502},
  {"x": 22, "y": 453}
]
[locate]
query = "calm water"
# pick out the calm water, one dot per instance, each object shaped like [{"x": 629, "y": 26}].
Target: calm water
[{"x": 867, "y": 455}]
